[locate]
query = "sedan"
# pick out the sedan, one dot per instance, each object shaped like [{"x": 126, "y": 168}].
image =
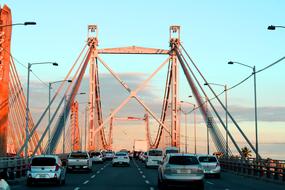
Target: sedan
[
  {"x": 210, "y": 165},
  {"x": 180, "y": 170},
  {"x": 121, "y": 158}
]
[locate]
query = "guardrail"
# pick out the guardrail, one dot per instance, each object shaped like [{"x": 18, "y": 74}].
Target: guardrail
[
  {"x": 273, "y": 170},
  {"x": 11, "y": 167}
]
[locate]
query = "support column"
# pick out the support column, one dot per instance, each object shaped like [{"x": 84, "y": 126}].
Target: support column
[{"x": 5, "y": 41}]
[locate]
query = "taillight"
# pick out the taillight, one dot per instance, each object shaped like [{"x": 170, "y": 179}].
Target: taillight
[
  {"x": 56, "y": 167},
  {"x": 218, "y": 164}
]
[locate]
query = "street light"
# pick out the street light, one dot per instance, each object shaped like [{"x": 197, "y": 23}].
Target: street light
[
  {"x": 226, "y": 103},
  {"x": 64, "y": 120},
  {"x": 24, "y": 23},
  {"x": 49, "y": 96},
  {"x": 255, "y": 103},
  {"x": 272, "y": 27},
  {"x": 28, "y": 100},
  {"x": 185, "y": 114}
]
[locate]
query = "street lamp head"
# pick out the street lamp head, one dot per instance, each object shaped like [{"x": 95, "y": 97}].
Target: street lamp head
[
  {"x": 190, "y": 96},
  {"x": 271, "y": 27},
  {"x": 55, "y": 64},
  {"x": 81, "y": 93},
  {"x": 69, "y": 80},
  {"x": 230, "y": 62},
  {"x": 30, "y": 23}
]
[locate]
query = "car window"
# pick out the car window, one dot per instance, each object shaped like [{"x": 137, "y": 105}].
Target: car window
[
  {"x": 207, "y": 159},
  {"x": 183, "y": 160},
  {"x": 79, "y": 155},
  {"x": 171, "y": 151},
  {"x": 95, "y": 154},
  {"x": 121, "y": 154},
  {"x": 155, "y": 153},
  {"x": 43, "y": 162}
]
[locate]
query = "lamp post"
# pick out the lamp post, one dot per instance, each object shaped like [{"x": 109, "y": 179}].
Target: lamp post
[
  {"x": 255, "y": 103},
  {"x": 64, "y": 120},
  {"x": 24, "y": 23},
  {"x": 272, "y": 27},
  {"x": 185, "y": 115},
  {"x": 226, "y": 104},
  {"x": 49, "y": 96},
  {"x": 28, "y": 101}
]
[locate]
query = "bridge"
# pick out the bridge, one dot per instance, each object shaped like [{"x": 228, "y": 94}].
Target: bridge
[{"x": 20, "y": 138}]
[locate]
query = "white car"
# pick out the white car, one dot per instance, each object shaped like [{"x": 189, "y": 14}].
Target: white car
[
  {"x": 154, "y": 158},
  {"x": 96, "y": 157},
  {"x": 121, "y": 158},
  {"x": 46, "y": 168},
  {"x": 4, "y": 185},
  {"x": 211, "y": 165}
]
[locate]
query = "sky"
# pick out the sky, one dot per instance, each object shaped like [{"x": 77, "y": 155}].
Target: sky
[{"x": 213, "y": 33}]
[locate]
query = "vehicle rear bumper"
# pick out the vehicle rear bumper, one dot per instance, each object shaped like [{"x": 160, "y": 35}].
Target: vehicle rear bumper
[
  {"x": 78, "y": 167},
  {"x": 183, "y": 182}
]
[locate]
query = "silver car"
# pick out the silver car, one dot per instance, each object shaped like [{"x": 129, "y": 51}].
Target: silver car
[
  {"x": 211, "y": 165},
  {"x": 46, "y": 168},
  {"x": 180, "y": 170}
]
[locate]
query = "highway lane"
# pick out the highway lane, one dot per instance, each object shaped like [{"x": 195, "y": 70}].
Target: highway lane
[{"x": 106, "y": 177}]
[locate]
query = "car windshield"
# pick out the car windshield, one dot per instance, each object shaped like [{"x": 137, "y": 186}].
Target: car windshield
[
  {"x": 183, "y": 160},
  {"x": 43, "y": 162},
  {"x": 79, "y": 155},
  {"x": 121, "y": 154},
  {"x": 95, "y": 154},
  {"x": 155, "y": 153},
  {"x": 109, "y": 152},
  {"x": 171, "y": 151},
  {"x": 207, "y": 159}
]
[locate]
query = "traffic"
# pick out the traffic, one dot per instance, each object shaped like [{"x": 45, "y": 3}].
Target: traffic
[{"x": 173, "y": 169}]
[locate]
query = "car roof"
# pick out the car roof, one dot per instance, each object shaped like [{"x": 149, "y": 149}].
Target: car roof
[
  {"x": 155, "y": 149},
  {"x": 46, "y": 156},
  {"x": 206, "y": 155},
  {"x": 181, "y": 154}
]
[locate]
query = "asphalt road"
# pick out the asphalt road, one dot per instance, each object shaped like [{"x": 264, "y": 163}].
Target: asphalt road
[{"x": 137, "y": 177}]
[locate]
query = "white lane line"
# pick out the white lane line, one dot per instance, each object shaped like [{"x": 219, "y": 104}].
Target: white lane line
[
  {"x": 141, "y": 172},
  {"x": 227, "y": 189},
  {"x": 76, "y": 188},
  {"x": 146, "y": 181},
  {"x": 210, "y": 183},
  {"x": 151, "y": 188},
  {"x": 85, "y": 182},
  {"x": 93, "y": 176},
  {"x": 143, "y": 176},
  {"x": 102, "y": 168},
  {"x": 98, "y": 172},
  {"x": 139, "y": 169}
]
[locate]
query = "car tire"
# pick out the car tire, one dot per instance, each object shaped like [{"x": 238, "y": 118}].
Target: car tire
[
  {"x": 63, "y": 182},
  {"x": 161, "y": 185},
  {"x": 218, "y": 176},
  {"x": 201, "y": 186}
]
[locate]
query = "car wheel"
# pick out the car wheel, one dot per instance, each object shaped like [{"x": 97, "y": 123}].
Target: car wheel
[
  {"x": 218, "y": 176},
  {"x": 63, "y": 182},
  {"x": 58, "y": 182},
  {"x": 161, "y": 185},
  {"x": 201, "y": 186}
]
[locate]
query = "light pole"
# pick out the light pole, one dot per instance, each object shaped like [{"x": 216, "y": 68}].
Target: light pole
[
  {"x": 272, "y": 27},
  {"x": 28, "y": 101},
  {"x": 255, "y": 103},
  {"x": 64, "y": 120},
  {"x": 185, "y": 115},
  {"x": 226, "y": 104},
  {"x": 49, "y": 97},
  {"x": 24, "y": 23}
]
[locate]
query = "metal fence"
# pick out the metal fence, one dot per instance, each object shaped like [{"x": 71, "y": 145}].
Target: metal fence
[
  {"x": 264, "y": 168},
  {"x": 11, "y": 167}
]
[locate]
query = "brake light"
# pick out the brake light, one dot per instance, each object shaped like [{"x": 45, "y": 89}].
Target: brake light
[
  {"x": 218, "y": 164},
  {"x": 56, "y": 167}
]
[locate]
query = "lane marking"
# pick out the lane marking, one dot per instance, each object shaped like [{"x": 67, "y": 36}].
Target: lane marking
[
  {"x": 227, "y": 189},
  {"x": 143, "y": 176},
  {"x": 146, "y": 181},
  {"x": 141, "y": 172},
  {"x": 85, "y": 182},
  {"x": 93, "y": 176},
  {"x": 210, "y": 183},
  {"x": 151, "y": 188},
  {"x": 76, "y": 188},
  {"x": 102, "y": 168},
  {"x": 98, "y": 172}
]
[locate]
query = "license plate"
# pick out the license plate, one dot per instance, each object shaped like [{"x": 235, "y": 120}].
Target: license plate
[
  {"x": 183, "y": 171},
  {"x": 77, "y": 167},
  {"x": 120, "y": 162},
  {"x": 43, "y": 176}
]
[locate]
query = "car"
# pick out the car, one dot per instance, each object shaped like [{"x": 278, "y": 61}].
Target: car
[
  {"x": 109, "y": 155},
  {"x": 79, "y": 161},
  {"x": 46, "y": 168},
  {"x": 96, "y": 157},
  {"x": 178, "y": 169},
  {"x": 211, "y": 165},
  {"x": 121, "y": 158},
  {"x": 154, "y": 158},
  {"x": 171, "y": 149},
  {"x": 143, "y": 156},
  {"x": 4, "y": 185}
]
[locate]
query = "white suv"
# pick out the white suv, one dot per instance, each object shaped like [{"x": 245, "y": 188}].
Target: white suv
[
  {"x": 154, "y": 158},
  {"x": 45, "y": 168},
  {"x": 211, "y": 165},
  {"x": 121, "y": 158}
]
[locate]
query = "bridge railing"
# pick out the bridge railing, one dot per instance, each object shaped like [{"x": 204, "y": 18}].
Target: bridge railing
[
  {"x": 269, "y": 169},
  {"x": 11, "y": 167}
]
